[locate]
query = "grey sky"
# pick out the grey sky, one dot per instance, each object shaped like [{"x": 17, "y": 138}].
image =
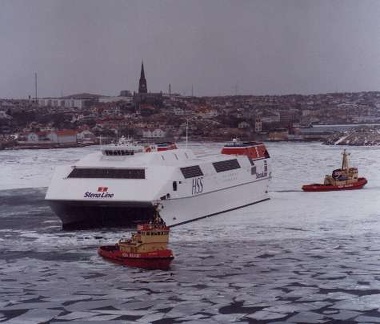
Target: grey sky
[{"x": 220, "y": 47}]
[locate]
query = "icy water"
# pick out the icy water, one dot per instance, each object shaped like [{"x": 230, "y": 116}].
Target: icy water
[{"x": 297, "y": 258}]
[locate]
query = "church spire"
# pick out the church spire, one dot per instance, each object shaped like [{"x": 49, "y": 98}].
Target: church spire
[{"x": 142, "y": 81}]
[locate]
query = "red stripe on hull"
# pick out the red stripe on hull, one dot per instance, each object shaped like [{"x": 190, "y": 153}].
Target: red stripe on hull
[{"x": 160, "y": 260}]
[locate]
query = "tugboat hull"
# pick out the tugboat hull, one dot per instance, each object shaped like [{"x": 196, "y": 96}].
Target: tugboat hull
[
  {"x": 159, "y": 260},
  {"x": 322, "y": 187}
]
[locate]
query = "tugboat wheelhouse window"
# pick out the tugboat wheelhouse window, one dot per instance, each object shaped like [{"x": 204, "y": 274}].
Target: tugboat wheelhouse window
[
  {"x": 223, "y": 166},
  {"x": 192, "y": 171},
  {"x": 107, "y": 173}
]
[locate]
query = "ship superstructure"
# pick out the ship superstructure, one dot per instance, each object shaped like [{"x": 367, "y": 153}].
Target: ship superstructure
[{"x": 124, "y": 185}]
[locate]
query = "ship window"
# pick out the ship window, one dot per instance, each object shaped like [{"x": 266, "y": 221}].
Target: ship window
[
  {"x": 107, "y": 173},
  {"x": 251, "y": 161},
  {"x": 118, "y": 152},
  {"x": 174, "y": 185},
  {"x": 192, "y": 171},
  {"x": 222, "y": 166}
]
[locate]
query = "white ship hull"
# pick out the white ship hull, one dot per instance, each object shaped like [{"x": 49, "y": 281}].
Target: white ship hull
[
  {"x": 107, "y": 190},
  {"x": 184, "y": 210}
]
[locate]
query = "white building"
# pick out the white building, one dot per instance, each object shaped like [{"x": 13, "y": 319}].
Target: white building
[
  {"x": 53, "y": 137},
  {"x": 178, "y": 111},
  {"x": 153, "y": 133},
  {"x": 258, "y": 125},
  {"x": 4, "y": 115},
  {"x": 75, "y": 101},
  {"x": 115, "y": 99},
  {"x": 86, "y": 137}
]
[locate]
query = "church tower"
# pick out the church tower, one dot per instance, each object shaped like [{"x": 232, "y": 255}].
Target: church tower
[{"x": 142, "y": 82}]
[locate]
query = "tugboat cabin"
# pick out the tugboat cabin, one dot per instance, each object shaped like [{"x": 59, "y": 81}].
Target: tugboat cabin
[
  {"x": 148, "y": 238},
  {"x": 148, "y": 233}
]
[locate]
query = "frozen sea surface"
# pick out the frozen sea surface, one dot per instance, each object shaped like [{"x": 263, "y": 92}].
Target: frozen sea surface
[{"x": 297, "y": 258}]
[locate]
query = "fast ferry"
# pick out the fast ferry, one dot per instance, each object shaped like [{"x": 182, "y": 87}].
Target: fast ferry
[{"x": 123, "y": 185}]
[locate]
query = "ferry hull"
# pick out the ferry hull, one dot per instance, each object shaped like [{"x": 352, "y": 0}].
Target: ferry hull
[
  {"x": 184, "y": 210},
  {"x": 157, "y": 260},
  {"x": 93, "y": 214},
  {"x": 125, "y": 187},
  {"x": 83, "y": 215},
  {"x": 321, "y": 187}
]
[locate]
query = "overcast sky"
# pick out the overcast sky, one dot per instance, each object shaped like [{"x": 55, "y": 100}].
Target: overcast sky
[{"x": 219, "y": 47}]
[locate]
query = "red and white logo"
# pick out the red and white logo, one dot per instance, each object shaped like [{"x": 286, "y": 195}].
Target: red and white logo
[{"x": 101, "y": 193}]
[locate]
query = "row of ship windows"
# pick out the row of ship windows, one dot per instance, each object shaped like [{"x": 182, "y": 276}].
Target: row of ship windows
[
  {"x": 107, "y": 173},
  {"x": 132, "y": 152},
  {"x": 119, "y": 152},
  {"x": 221, "y": 166},
  {"x": 154, "y": 233},
  {"x": 188, "y": 172}
]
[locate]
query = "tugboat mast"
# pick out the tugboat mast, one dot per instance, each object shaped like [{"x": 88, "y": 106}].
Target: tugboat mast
[{"x": 345, "y": 160}]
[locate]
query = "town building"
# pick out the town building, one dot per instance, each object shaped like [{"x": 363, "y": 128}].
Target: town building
[
  {"x": 142, "y": 82},
  {"x": 143, "y": 97},
  {"x": 67, "y": 136},
  {"x": 153, "y": 133},
  {"x": 80, "y": 101}
]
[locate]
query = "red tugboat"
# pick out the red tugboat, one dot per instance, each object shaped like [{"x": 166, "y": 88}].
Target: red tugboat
[
  {"x": 147, "y": 248},
  {"x": 345, "y": 178}
]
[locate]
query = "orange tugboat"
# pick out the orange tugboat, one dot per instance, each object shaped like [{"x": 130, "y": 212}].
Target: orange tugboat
[
  {"x": 147, "y": 248},
  {"x": 345, "y": 178}
]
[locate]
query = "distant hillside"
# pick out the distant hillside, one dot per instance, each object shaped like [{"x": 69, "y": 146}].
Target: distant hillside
[{"x": 82, "y": 96}]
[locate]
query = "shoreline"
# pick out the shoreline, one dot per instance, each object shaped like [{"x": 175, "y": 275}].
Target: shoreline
[{"x": 45, "y": 146}]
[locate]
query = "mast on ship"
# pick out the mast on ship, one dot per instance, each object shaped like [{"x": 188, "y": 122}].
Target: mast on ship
[
  {"x": 187, "y": 131},
  {"x": 345, "y": 160}
]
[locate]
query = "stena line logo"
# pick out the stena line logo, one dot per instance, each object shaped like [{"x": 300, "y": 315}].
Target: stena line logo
[{"x": 101, "y": 193}]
